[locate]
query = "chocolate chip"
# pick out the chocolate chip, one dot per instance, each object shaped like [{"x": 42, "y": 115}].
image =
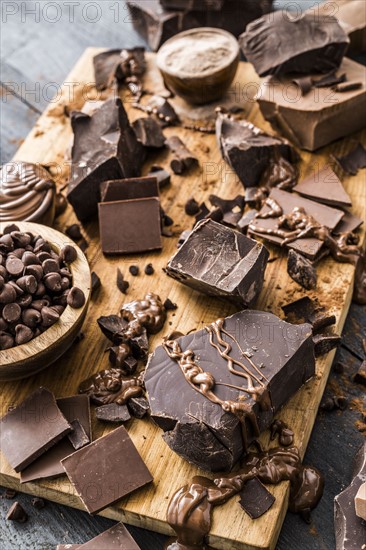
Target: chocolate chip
[
  {"x": 169, "y": 305},
  {"x": 9, "y": 494},
  {"x": 6, "y": 243},
  {"x": 24, "y": 301},
  {"x": 41, "y": 290},
  {"x": 149, "y": 270},
  {"x": 14, "y": 266},
  {"x": 20, "y": 240},
  {"x": 49, "y": 316},
  {"x": 134, "y": 270},
  {"x": 10, "y": 228},
  {"x": 191, "y": 207},
  {"x": 6, "y": 340},
  {"x": 17, "y": 513},
  {"x": 68, "y": 254},
  {"x": 31, "y": 317},
  {"x": 22, "y": 334},
  {"x": 3, "y": 325},
  {"x": 29, "y": 258},
  {"x": 122, "y": 285},
  {"x": 50, "y": 266},
  {"x": 11, "y": 312},
  {"x": 38, "y": 503},
  {"x": 75, "y": 298},
  {"x": 340, "y": 402},
  {"x": 28, "y": 283},
  {"x": 52, "y": 281},
  {"x": 35, "y": 270},
  {"x": 18, "y": 291},
  {"x": 2, "y": 282},
  {"x": 7, "y": 294},
  {"x": 83, "y": 245},
  {"x": 73, "y": 231}
]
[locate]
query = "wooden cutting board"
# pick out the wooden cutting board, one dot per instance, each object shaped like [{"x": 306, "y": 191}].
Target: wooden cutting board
[{"x": 47, "y": 143}]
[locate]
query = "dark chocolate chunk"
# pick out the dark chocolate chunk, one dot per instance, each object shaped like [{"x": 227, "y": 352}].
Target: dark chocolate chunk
[
  {"x": 138, "y": 406},
  {"x": 113, "y": 413},
  {"x": 248, "y": 150},
  {"x": 305, "y": 84},
  {"x": 149, "y": 269},
  {"x": 122, "y": 285},
  {"x": 118, "y": 65},
  {"x": 161, "y": 175},
  {"x": 255, "y": 499},
  {"x": 38, "y": 503},
  {"x": 17, "y": 513},
  {"x": 111, "y": 325},
  {"x": 105, "y": 148},
  {"x": 329, "y": 80},
  {"x": 360, "y": 376},
  {"x": 306, "y": 310},
  {"x": 324, "y": 186},
  {"x": 347, "y": 87},
  {"x": 134, "y": 270},
  {"x": 88, "y": 467},
  {"x": 281, "y": 43},
  {"x": 301, "y": 270},
  {"x": 220, "y": 262},
  {"x": 148, "y": 132},
  {"x": 353, "y": 161},
  {"x": 169, "y": 305},
  {"x": 324, "y": 343},
  {"x": 246, "y": 219},
  {"x": 183, "y": 237},
  {"x": 183, "y": 159},
  {"x": 78, "y": 437},
  {"x": 75, "y": 298},
  {"x": 95, "y": 282},
  {"x": 31, "y": 428},
  {"x": 197, "y": 427},
  {"x": 48, "y": 465},
  {"x": 73, "y": 231},
  {"x": 191, "y": 207}
]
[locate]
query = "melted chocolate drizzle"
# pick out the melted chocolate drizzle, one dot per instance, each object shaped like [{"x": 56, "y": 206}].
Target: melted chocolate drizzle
[
  {"x": 190, "y": 509},
  {"x": 109, "y": 386}
]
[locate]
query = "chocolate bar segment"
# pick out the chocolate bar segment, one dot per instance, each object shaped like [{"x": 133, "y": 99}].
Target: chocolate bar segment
[
  {"x": 280, "y": 43},
  {"x": 321, "y": 116},
  {"x": 100, "y": 482},
  {"x": 31, "y": 428},
  {"x": 324, "y": 186},
  {"x": 231, "y": 378},
  {"x": 220, "y": 261},
  {"x": 105, "y": 148},
  {"x": 255, "y": 499},
  {"x": 117, "y": 537}
]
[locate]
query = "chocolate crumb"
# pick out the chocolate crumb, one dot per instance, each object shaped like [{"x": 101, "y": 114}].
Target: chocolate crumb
[
  {"x": 134, "y": 270},
  {"x": 149, "y": 270}
]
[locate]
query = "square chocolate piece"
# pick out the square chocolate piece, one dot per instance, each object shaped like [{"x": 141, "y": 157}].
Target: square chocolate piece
[
  {"x": 31, "y": 428},
  {"x": 117, "y": 537},
  {"x": 106, "y": 470},
  {"x": 220, "y": 261},
  {"x": 49, "y": 464}
]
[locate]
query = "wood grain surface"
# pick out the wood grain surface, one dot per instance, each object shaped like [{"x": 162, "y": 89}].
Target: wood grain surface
[{"x": 47, "y": 143}]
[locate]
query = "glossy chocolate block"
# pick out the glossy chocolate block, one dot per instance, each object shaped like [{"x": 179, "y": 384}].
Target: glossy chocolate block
[
  {"x": 252, "y": 363},
  {"x": 220, "y": 261}
]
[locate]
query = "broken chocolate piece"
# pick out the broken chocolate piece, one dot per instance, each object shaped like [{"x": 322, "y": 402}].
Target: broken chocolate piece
[
  {"x": 220, "y": 262},
  {"x": 112, "y": 413},
  {"x": 169, "y": 305},
  {"x": 329, "y": 80},
  {"x": 329, "y": 116},
  {"x": 305, "y": 84},
  {"x": 110, "y": 386},
  {"x": 255, "y": 499},
  {"x": 248, "y": 150},
  {"x": 138, "y": 406},
  {"x": 148, "y": 132},
  {"x": 349, "y": 529},
  {"x": 122, "y": 285},
  {"x": 279, "y": 43},
  {"x": 48, "y": 465},
  {"x": 301, "y": 270},
  {"x": 88, "y": 468},
  {"x": 17, "y": 513},
  {"x": 325, "y": 187},
  {"x": 183, "y": 159},
  {"x": 78, "y": 437},
  {"x": 360, "y": 376},
  {"x": 324, "y": 343},
  {"x": 246, "y": 220},
  {"x": 285, "y": 434},
  {"x": 117, "y": 537},
  {"x": 105, "y": 148},
  {"x": 95, "y": 282},
  {"x": 9, "y": 494},
  {"x": 129, "y": 189},
  {"x": 162, "y": 175},
  {"x": 347, "y": 87},
  {"x": 118, "y": 64},
  {"x": 306, "y": 310},
  {"x": 31, "y": 428},
  {"x": 353, "y": 161},
  {"x": 212, "y": 426},
  {"x": 191, "y": 207}
]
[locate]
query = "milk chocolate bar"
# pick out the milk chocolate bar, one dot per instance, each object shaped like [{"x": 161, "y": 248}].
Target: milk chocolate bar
[
  {"x": 321, "y": 116},
  {"x": 279, "y": 44},
  {"x": 231, "y": 378},
  {"x": 220, "y": 261}
]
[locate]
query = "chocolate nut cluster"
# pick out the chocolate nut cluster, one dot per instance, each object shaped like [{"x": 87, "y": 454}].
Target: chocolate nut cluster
[{"x": 35, "y": 286}]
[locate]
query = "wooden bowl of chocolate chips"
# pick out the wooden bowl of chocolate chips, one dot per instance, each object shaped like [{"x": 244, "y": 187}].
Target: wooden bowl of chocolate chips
[{"x": 45, "y": 287}]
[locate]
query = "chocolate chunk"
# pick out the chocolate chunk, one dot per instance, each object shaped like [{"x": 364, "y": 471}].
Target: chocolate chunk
[
  {"x": 73, "y": 231},
  {"x": 162, "y": 109},
  {"x": 285, "y": 434},
  {"x": 349, "y": 528},
  {"x": 95, "y": 282},
  {"x": 353, "y": 161},
  {"x": 111, "y": 325},
  {"x": 149, "y": 269},
  {"x": 129, "y": 189},
  {"x": 246, "y": 219},
  {"x": 11, "y": 313},
  {"x": 17, "y": 513},
  {"x": 301, "y": 270},
  {"x": 347, "y": 87},
  {"x": 78, "y": 437},
  {"x": 122, "y": 285},
  {"x": 220, "y": 262},
  {"x": 31, "y": 428},
  {"x": 113, "y": 413},
  {"x": 148, "y": 132},
  {"x": 329, "y": 80},
  {"x": 183, "y": 159},
  {"x": 111, "y": 386},
  {"x": 48, "y": 465},
  {"x": 324, "y": 186},
  {"x": 305, "y": 84},
  {"x": 105, "y": 148},
  {"x": 360, "y": 376},
  {"x": 183, "y": 237},
  {"x": 61, "y": 204},
  {"x": 169, "y": 305},
  {"x": 138, "y": 406},
  {"x": 255, "y": 499},
  {"x": 118, "y": 65},
  {"x": 161, "y": 175},
  {"x": 306, "y": 310},
  {"x": 279, "y": 43},
  {"x": 290, "y": 203},
  {"x": 83, "y": 245},
  {"x": 9, "y": 494},
  {"x": 134, "y": 270},
  {"x": 38, "y": 503},
  {"x": 324, "y": 343},
  {"x": 329, "y": 115},
  {"x": 116, "y": 537},
  {"x": 248, "y": 150},
  {"x": 88, "y": 467},
  {"x": 201, "y": 429},
  {"x": 191, "y": 207},
  {"x": 76, "y": 298}
]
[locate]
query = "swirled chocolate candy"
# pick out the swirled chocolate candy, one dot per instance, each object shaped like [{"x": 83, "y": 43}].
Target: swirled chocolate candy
[
  {"x": 231, "y": 379},
  {"x": 279, "y": 43},
  {"x": 27, "y": 193}
]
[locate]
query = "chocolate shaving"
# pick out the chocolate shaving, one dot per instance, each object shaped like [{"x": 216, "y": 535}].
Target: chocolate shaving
[
  {"x": 347, "y": 87},
  {"x": 305, "y": 83},
  {"x": 329, "y": 80}
]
